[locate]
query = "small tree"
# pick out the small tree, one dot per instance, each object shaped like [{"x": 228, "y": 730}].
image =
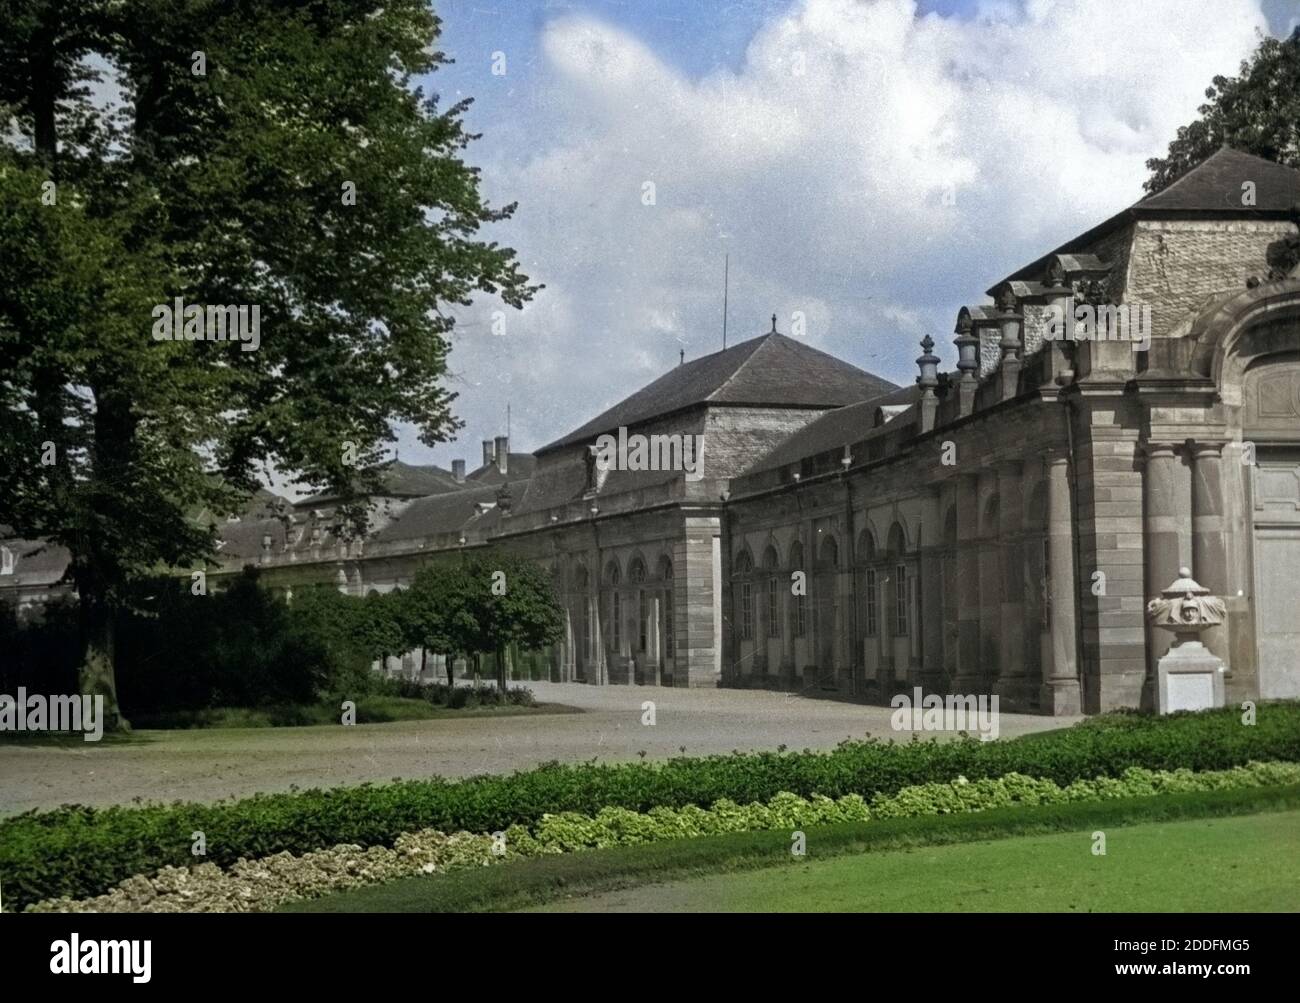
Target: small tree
[
  {"x": 379, "y": 626},
  {"x": 438, "y": 614},
  {"x": 520, "y": 607}
]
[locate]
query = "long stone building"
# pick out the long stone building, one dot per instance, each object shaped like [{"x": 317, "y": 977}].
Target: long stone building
[{"x": 994, "y": 528}]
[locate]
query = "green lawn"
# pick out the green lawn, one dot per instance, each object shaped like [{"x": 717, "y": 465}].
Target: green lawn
[
  {"x": 1203, "y": 850},
  {"x": 1207, "y": 865}
]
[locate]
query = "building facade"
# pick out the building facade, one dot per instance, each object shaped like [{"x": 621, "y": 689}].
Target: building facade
[{"x": 1123, "y": 407}]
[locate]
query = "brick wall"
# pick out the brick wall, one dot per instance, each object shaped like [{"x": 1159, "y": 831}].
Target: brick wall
[{"x": 1176, "y": 265}]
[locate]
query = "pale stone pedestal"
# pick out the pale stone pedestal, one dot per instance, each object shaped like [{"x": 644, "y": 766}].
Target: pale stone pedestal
[{"x": 1190, "y": 678}]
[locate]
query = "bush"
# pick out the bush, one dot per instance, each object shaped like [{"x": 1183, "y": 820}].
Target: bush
[
  {"x": 80, "y": 851},
  {"x": 266, "y": 883}
]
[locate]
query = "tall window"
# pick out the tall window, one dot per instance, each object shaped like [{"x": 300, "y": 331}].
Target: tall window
[
  {"x": 746, "y": 610},
  {"x": 873, "y": 604},
  {"x": 637, "y": 574},
  {"x": 616, "y": 608},
  {"x": 799, "y": 610},
  {"x": 900, "y": 599},
  {"x": 773, "y": 607},
  {"x": 6, "y": 561},
  {"x": 670, "y": 640}
]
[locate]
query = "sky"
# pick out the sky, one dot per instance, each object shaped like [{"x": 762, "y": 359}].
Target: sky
[{"x": 862, "y": 168}]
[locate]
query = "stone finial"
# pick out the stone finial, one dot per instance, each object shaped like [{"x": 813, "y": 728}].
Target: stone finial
[
  {"x": 928, "y": 364},
  {"x": 966, "y": 343}
]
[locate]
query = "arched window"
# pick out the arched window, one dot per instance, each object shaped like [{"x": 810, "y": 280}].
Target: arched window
[
  {"x": 636, "y": 575},
  {"x": 771, "y": 564},
  {"x": 799, "y": 599},
  {"x": 7, "y": 561},
  {"x": 666, "y": 576},
  {"x": 897, "y": 548},
  {"x": 615, "y": 579},
  {"x": 744, "y": 615},
  {"x": 868, "y": 557}
]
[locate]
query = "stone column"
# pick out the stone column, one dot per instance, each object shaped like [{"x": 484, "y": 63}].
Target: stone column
[
  {"x": 1012, "y": 681},
  {"x": 1061, "y": 693},
  {"x": 1209, "y": 548},
  {"x": 596, "y": 653},
  {"x": 1167, "y": 495},
  {"x": 930, "y": 592},
  {"x": 990, "y": 585},
  {"x": 968, "y": 586},
  {"x": 565, "y": 673},
  {"x": 654, "y": 657}
]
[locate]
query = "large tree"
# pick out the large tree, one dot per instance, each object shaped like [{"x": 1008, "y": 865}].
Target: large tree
[
  {"x": 274, "y": 154},
  {"x": 1256, "y": 112}
]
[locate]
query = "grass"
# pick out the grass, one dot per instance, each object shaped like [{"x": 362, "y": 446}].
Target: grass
[
  {"x": 545, "y": 879},
  {"x": 370, "y": 710},
  {"x": 1202, "y": 865}
]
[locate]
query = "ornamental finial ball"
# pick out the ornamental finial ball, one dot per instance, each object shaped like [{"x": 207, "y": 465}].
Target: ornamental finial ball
[{"x": 1184, "y": 572}]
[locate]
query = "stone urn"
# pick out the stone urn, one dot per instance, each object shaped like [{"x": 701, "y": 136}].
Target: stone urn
[{"x": 1189, "y": 676}]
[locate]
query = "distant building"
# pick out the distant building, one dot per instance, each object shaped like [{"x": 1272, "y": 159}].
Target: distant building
[{"x": 996, "y": 528}]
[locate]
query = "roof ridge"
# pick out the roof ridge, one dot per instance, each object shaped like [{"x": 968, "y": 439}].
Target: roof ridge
[{"x": 763, "y": 340}]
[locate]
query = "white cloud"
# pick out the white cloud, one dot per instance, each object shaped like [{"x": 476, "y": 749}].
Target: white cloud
[{"x": 821, "y": 167}]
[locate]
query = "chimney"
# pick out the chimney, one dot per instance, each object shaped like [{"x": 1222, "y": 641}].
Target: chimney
[
  {"x": 488, "y": 457},
  {"x": 458, "y": 471},
  {"x": 503, "y": 452}
]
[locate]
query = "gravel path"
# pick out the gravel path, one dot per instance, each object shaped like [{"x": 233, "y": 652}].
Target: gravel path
[{"x": 220, "y": 763}]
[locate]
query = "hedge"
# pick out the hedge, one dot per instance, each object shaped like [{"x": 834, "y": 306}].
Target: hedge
[
  {"x": 78, "y": 851},
  {"x": 258, "y": 885}
]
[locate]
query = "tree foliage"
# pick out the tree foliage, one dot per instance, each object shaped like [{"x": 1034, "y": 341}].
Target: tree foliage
[
  {"x": 223, "y": 180},
  {"x": 1257, "y": 112}
]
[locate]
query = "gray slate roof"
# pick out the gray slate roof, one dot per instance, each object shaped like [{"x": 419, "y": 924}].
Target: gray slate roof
[
  {"x": 518, "y": 466},
  {"x": 834, "y": 430},
  {"x": 1212, "y": 188},
  {"x": 402, "y": 480},
  {"x": 771, "y": 370}
]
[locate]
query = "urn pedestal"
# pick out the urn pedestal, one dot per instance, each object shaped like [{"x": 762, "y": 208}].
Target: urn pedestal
[{"x": 1189, "y": 676}]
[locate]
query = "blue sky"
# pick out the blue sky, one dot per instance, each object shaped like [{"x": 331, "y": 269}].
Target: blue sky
[{"x": 868, "y": 165}]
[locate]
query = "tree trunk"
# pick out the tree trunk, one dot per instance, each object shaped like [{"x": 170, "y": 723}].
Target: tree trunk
[
  {"x": 501, "y": 671},
  {"x": 451, "y": 668},
  {"x": 95, "y": 676}
]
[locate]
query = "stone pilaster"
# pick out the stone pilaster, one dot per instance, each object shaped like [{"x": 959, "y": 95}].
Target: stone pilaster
[
  {"x": 990, "y": 584},
  {"x": 1061, "y": 692},
  {"x": 697, "y": 576},
  {"x": 1012, "y": 684},
  {"x": 967, "y": 677},
  {"x": 1209, "y": 549},
  {"x": 1167, "y": 494},
  {"x": 930, "y": 591}
]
